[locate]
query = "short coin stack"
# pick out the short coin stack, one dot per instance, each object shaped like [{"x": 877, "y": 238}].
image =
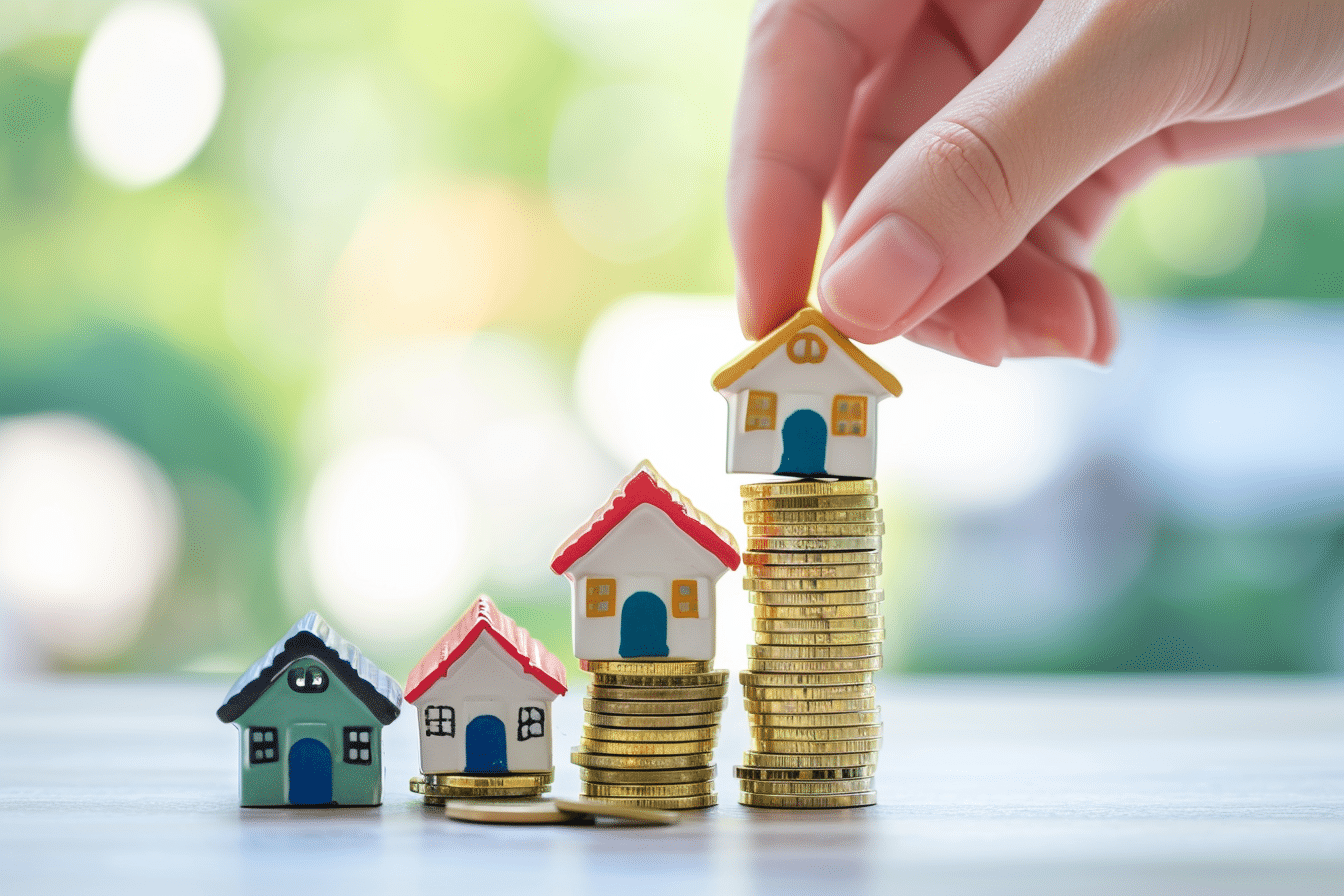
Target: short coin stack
[
  {"x": 813, "y": 562},
  {"x": 438, "y": 789},
  {"x": 649, "y": 732}
]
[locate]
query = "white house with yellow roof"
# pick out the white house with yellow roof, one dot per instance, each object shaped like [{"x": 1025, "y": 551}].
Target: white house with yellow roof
[{"x": 803, "y": 402}]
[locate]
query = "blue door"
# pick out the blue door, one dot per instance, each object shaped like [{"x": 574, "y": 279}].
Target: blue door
[
  {"x": 487, "y": 751},
  {"x": 309, "y": 773},
  {"x": 804, "y": 445},
  {"x": 643, "y": 626}
]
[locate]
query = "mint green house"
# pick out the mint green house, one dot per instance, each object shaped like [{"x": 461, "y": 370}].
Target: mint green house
[{"x": 310, "y": 715}]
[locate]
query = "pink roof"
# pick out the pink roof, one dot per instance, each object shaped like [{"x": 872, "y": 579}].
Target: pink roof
[
  {"x": 484, "y": 617},
  {"x": 645, "y": 486}
]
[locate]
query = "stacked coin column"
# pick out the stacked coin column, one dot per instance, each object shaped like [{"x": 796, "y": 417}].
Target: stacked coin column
[
  {"x": 649, "y": 733},
  {"x": 813, "y": 566},
  {"x": 438, "y": 789}
]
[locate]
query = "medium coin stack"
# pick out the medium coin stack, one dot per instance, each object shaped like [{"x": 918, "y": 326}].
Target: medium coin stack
[
  {"x": 649, "y": 732},
  {"x": 438, "y": 789},
  {"x": 813, "y": 563}
]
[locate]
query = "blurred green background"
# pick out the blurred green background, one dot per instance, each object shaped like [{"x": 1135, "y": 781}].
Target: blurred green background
[{"x": 363, "y": 306}]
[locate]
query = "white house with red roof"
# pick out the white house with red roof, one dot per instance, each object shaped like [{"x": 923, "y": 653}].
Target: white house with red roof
[
  {"x": 483, "y": 697},
  {"x": 643, "y": 570}
]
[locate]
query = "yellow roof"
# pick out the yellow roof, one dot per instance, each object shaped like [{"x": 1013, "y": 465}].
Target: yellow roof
[{"x": 731, "y": 372}]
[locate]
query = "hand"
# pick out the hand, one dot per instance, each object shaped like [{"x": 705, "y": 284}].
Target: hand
[{"x": 972, "y": 150}]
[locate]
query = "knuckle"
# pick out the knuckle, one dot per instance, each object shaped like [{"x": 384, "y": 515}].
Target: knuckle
[{"x": 967, "y": 171}]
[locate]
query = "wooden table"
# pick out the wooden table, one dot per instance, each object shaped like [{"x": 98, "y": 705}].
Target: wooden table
[{"x": 1053, "y": 785}]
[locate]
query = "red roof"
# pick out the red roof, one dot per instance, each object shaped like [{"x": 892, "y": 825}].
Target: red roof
[
  {"x": 645, "y": 486},
  {"x": 483, "y": 617}
]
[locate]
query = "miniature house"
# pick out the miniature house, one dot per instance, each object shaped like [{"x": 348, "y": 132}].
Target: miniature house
[
  {"x": 643, "y": 571},
  {"x": 483, "y": 697},
  {"x": 803, "y": 402},
  {"x": 310, "y": 714}
]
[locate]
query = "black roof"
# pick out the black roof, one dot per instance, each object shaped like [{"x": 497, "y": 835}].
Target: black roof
[{"x": 312, "y": 636}]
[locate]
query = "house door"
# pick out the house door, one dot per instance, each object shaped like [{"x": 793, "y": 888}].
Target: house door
[
  {"x": 804, "y": 437},
  {"x": 487, "y": 750},
  {"x": 309, "y": 773},
  {"x": 643, "y": 626}
]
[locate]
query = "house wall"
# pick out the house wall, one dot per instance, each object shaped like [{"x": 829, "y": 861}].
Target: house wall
[
  {"x": 803, "y": 386},
  {"x": 321, "y": 716},
  {"x": 485, "y": 681},
  {"x": 645, "y": 552}
]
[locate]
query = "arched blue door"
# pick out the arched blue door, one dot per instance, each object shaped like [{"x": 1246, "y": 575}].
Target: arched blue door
[
  {"x": 487, "y": 751},
  {"x": 643, "y": 626},
  {"x": 804, "y": 437},
  {"x": 309, "y": 773}
]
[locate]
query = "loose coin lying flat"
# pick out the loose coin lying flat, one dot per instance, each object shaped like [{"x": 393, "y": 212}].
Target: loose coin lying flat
[
  {"x": 821, "y": 639},
  {"x": 708, "y": 679},
  {"x": 804, "y": 679},
  {"x": 647, "y": 667},
  {"x": 807, "y": 788},
  {"x": 628, "y": 776},
  {"x": 618, "y": 692},
  {"x": 792, "y": 517},
  {"x": 828, "y": 720},
  {"x": 812, "y": 545},
  {"x": 688, "y": 720},
  {"x": 809, "y": 502},
  {"x": 864, "y": 583},
  {"x": 652, "y": 748},
  {"x": 792, "y": 801},
  {"x": 512, "y": 812},
  {"x": 813, "y": 651},
  {"x": 616, "y": 761},
  {"x": 661, "y": 791},
  {"x": 612, "y": 809},
  {"x": 805, "y": 774},
  {"x": 857, "y": 664},
  {"x": 825, "y": 571},
  {"x": 652, "y": 707},
  {"x": 765, "y": 759}
]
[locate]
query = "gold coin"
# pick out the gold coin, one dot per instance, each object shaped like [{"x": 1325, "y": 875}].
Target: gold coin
[
  {"x": 607, "y": 680},
  {"x": 862, "y": 583},
  {"x": 608, "y": 791},
  {"x": 800, "y": 517},
  {"x": 652, "y": 707},
  {"x": 817, "y": 639},
  {"x": 804, "y": 558},
  {"x": 647, "y": 667},
  {"x": 809, "y": 502},
  {"x": 797, "y": 801},
  {"x": 853, "y": 704},
  {"x": 609, "y": 761},
  {"x": 650, "y": 735},
  {"x": 712, "y": 692},
  {"x": 814, "y": 545},
  {"x": 767, "y": 760},
  {"x": 809, "y": 692},
  {"x": 831, "y": 599},
  {"x": 827, "y": 720},
  {"x": 779, "y": 732},
  {"x": 513, "y": 812},
  {"x": 803, "y": 679},
  {"x": 815, "y": 611},
  {"x": 818, "y": 625},
  {"x": 691, "y": 721},
  {"x": 647, "y": 748},
  {"x": 810, "y": 788},
  {"x": 816, "y": 571},
  {"x": 815, "y": 747},
  {"x": 812, "y": 651},
  {"x": 418, "y": 785},
  {"x": 637, "y": 776},
  {"x": 816, "y": 666},
  {"x": 703, "y": 801},
  {"x": 757, "y": 531},
  {"x": 809, "y": 487},
  {"x": 513, "y": 779},
  {"x": 613, "y": 809},
  {"x": 846, "y": 773}
]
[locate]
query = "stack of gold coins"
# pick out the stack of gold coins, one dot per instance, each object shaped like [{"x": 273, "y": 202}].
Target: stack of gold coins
[
  {"x": 813, "y": 564},
  {"x": 438, "y": 789},
  {"x": 649, "y": 732}
]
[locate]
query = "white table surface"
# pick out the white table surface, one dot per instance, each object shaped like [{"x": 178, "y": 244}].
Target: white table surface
[{"x": 1045, "y": 785}]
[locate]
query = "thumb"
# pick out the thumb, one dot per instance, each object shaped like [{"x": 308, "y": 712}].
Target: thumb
[{"x": 1073, "y": 90}]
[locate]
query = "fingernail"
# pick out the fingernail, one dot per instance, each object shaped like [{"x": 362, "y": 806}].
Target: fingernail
[{"x": 882, "y": 276}]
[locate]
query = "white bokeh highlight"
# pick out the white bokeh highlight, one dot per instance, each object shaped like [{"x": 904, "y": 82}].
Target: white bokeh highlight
[
  {"x": 147, "y": 91},
  {"x": 89, "y": 530}
]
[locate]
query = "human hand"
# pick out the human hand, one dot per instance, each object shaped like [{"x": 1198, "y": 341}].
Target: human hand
[{"x": 972, "y": 150}]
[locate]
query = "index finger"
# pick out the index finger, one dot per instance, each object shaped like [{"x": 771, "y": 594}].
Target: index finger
[{"x": 805, "y": 59}]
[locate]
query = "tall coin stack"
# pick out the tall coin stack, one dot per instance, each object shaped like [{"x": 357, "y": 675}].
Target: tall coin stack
[
  {"x": 813, "y": 564},
  {"x": 649, "y": 732}
]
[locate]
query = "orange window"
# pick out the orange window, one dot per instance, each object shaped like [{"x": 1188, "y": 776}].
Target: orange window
[
  {"x": 807, "y": 348},
  {"x": 761, "y": 407},
  {"x": 685, "y": 599},
  {"x": 849, "y": 415},
  {"x": 601, "y": 597}
]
